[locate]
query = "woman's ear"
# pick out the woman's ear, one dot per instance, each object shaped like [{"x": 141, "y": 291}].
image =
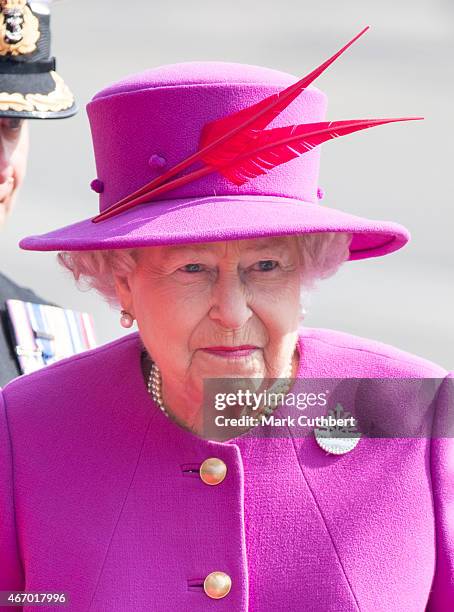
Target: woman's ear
[{"x": 123, "y": 291}]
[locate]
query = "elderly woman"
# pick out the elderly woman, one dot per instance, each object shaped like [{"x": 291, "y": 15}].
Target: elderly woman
[{"x": 116, "y": 491}]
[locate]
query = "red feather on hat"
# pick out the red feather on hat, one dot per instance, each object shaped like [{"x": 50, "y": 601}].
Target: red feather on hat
[
  {"x": 239, "y": 148},
  {"x": 271, "y": 148}
]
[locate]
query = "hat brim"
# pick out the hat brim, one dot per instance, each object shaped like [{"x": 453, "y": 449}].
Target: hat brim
[
  {"x": 35, "y": 96},
  {"x": 219, "y": 218}
]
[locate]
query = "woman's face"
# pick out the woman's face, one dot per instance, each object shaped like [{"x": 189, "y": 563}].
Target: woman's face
[{"x": 188, "y": 298}]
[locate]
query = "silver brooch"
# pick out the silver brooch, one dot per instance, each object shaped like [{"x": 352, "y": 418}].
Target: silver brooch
[{"x": 337, "y": 433}]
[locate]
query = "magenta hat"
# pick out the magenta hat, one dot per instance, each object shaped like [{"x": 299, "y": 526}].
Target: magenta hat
[{"x": 209, "y": 151}]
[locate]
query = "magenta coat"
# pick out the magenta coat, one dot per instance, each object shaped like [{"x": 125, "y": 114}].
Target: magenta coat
[{"x": 97, "y": 498}]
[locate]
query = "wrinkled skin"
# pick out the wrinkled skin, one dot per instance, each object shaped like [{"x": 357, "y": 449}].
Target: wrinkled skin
[{"x": 232, "y": 293}]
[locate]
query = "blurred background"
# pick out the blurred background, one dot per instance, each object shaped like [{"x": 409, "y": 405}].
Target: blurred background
[{"x": 401, "y": 67}]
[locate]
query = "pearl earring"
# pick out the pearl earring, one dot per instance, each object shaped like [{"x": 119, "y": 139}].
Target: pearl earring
[{"x": 126, "y": 319}]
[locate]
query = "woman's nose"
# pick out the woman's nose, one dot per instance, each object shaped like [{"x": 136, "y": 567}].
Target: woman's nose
[{"x": 230, "y": 306}]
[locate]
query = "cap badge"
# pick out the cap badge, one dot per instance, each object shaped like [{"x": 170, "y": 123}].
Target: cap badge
[{"x": 19, "y": 28}]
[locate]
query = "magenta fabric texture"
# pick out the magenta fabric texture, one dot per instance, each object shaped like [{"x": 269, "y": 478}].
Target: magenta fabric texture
[
  {"x": 94, "y": 500},
  {"x": 161, "y": 112}
]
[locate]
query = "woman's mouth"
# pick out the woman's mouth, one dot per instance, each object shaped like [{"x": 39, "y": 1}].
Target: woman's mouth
[{"x": 231, "y": 351}]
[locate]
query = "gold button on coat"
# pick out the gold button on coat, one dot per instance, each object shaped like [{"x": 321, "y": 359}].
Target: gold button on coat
[
  {"x": 217, "y": 585},
  {"x": 213, "y": 471}
]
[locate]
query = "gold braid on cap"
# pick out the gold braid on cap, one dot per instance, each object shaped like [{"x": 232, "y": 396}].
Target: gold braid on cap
[{"x": 58, "y": 99}]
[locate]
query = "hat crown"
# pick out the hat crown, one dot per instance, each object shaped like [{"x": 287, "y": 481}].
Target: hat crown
[
  {"x": 198, "y": 73},
  {"x": 170, "y": 105}
]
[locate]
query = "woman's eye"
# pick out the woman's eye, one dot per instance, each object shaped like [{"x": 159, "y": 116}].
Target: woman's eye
[
  {"x": 192, "y": 267},
  {"x": 12, "y": 126},
  {"x": 267, "y": 264},
  {"x": 14, "y": 123}
]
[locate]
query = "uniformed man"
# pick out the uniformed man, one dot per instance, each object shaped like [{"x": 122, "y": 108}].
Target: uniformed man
[{"x": 30, "y": 88}]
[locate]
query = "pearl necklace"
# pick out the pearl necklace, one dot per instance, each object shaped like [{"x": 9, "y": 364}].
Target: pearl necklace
[{"x": 154, "y": 387}]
